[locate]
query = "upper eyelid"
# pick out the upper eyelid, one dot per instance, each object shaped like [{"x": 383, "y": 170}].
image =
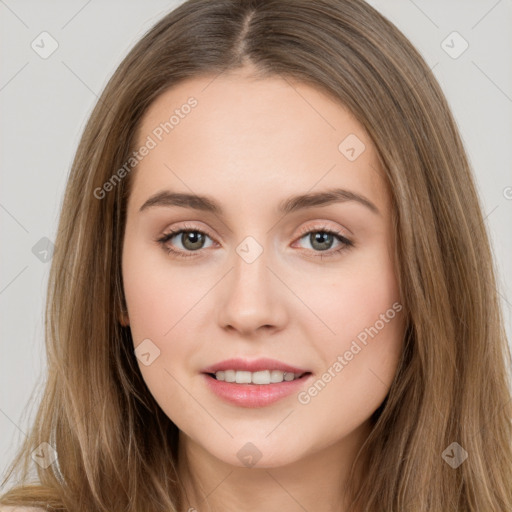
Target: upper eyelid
[
  {"x": 171, "y": 233},
  {"x": 303, "y": 231}
]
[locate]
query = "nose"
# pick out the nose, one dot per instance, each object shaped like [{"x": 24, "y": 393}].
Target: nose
[{"x": 252, "y": 297}]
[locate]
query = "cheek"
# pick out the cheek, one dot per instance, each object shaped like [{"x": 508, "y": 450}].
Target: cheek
[
  {"x": 157, "y": 292},
  {"x": 360, "y": 364},
  {"x": 352, "y": 297},
  {"x": 361, "y": 348},
  {"x": 158, "y": 301}
]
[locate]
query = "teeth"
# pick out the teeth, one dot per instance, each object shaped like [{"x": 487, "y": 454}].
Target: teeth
[{"x": 261, "y": 377}]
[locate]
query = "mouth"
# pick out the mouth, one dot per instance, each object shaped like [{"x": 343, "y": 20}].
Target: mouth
[
  {"x": 256, "y": 371},
  {"x": 260, "y": 388},
  {"x": 260, "y": 378}
]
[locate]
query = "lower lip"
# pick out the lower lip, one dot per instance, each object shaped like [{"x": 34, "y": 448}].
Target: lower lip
[{"x": 254, "y": 395}]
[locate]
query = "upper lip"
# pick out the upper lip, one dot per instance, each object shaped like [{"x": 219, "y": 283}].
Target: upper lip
[{"x": 254, "y": 365}]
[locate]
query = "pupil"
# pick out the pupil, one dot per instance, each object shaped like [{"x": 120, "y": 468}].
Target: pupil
[
  {"x": 323, "y": 238},
  {"x": 192, "y": 240}
]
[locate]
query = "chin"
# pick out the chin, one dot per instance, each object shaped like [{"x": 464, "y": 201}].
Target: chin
[{"x": 256, "y": 454}]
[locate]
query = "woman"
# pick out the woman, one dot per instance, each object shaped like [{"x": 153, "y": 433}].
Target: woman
[{"x": 272, "y": 287}]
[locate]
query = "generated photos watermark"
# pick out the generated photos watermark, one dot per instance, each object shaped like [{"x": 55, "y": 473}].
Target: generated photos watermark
[
  {"x": 361, "y": 341},
  {"x": 152, "y": 140}
]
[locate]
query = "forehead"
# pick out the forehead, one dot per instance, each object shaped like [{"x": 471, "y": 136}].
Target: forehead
[
  {"x": 244, "y": 134},
  {"x": 254, "y": 108}
]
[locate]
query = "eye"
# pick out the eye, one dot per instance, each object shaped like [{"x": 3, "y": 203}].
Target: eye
[
  {"x": 191, "y": 239},
  {"x": 320, "y": 238}
]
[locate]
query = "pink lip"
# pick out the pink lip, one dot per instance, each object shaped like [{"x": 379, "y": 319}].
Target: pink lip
[
  {"x": 255, "y": 395},
  {"x": 253, "y": 366}
]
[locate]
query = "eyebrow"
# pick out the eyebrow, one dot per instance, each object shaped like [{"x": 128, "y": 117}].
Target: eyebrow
[{"x": 167, "y": 198}]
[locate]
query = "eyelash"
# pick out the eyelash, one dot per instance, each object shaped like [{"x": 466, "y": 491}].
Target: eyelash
[{"x": 345, "y": 242}]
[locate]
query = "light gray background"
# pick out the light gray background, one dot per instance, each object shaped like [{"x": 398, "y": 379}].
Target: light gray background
[{"x": 45, "y": 104}]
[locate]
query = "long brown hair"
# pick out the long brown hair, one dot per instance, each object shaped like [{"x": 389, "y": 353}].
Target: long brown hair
[{"x": 116, "y": 448}]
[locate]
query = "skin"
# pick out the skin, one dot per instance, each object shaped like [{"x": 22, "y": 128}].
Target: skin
[{"x": 288, "y": 304}]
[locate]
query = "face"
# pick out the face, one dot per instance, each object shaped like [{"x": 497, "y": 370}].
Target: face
[{"x": 249, "y": 273}]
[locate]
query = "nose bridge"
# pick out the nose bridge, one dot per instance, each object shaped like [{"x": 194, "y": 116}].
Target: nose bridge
[
  {"x": 252, "y": 299},
  {"x": 251, "y": 275}
]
